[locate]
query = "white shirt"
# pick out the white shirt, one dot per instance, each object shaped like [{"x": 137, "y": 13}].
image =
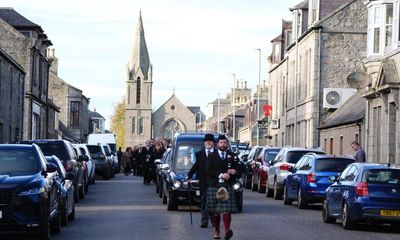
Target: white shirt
[{"x": 211, "y": 150}]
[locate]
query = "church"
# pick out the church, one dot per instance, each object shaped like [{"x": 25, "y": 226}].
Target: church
[{"x": 141, "y": 123}]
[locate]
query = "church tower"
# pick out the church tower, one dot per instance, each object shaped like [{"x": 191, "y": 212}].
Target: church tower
[{"x": 138, "y": 111}]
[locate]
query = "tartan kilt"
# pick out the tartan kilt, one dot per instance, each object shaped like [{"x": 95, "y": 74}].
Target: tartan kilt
[{"x": 217, "y": 206}]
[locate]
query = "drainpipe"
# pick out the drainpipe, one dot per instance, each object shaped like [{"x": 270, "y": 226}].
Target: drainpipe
[{"x": 319, "y": 87}]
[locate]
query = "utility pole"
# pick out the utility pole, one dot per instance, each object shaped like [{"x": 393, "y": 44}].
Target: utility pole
[
  {"x": 258, "y": 94},
  {"x": 233, "y": 109}
]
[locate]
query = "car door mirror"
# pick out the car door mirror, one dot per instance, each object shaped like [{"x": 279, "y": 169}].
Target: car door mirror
[
  {"x": 271, "y": 163},
  {"x": 51, "y": 168},
  {"x": 258, "y": 164},
  {"x": 292, "y": 169},
  {"x": 164, "y": 167},
  {"x": 70, "y": 176},
  {"x": 334, "y": 179},
  {"x": 102, "y": 156},
  {"x": 157, "y": 161},
  {"x": 81, "y": 158}
]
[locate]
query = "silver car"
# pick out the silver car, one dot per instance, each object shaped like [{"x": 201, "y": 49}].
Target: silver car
[{"x": 279, "y": 170}]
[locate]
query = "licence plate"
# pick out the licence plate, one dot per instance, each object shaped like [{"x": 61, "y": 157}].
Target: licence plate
[
  {"x": 390, "y": 213},
  {"x": 197, "y": 193}
]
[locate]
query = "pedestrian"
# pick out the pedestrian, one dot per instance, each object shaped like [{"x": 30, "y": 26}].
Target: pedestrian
[
  {"x": 119, "y": 157},
  {"x": 146, "y": 152},
  {"x": 221, "y": 175},
  {"x": 359, "y": 154},
  {"x": 156, "y": 153},
  {"x": 134, "y": 161},
  {"x": 200, "y": 169},
  {"x": 141, "y": 158},
  {"x": 126, "y": 161}
]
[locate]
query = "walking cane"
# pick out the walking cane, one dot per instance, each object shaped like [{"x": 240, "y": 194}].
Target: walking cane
[{"x": 190, "y": 203}]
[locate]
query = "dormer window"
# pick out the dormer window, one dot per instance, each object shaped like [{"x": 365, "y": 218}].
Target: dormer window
[
  {"x": 297, "y": 20},
  {"x": 314, "y": 11},
  {"x": 382, "y": 26},
  {"x": 289, "y": 38}
]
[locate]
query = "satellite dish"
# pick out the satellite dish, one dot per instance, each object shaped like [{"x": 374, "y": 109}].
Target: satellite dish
[
  {"x": 358, "y": 80},
  {"x": 332, "y": 97}
]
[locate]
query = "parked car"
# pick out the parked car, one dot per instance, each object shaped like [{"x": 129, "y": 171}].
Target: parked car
[
  {"x": 261, "y": 167},
  {"x": 106, "y": 139},
  {"x": 64, "y": 150},
  {"x": 103, "y": 164},
  {"x": 29, "y": 198},
  {"x": 85, "y": 176},
  {"x": 65, "y": 185},
  {"x": 248, "y": 173},
  {"x": 176, "y": 191},
  {"x": 364, "y": 192},
  {"x": 277, "y": 173},
  {"x": 310, "y": 178},
  {"x": 113, "y": 156},
  {"x": 91, "y": 166},
  {"x": 160, "y": 166}
]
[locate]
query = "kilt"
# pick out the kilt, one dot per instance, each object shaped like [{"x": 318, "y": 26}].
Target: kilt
[{"x": 217, "y": 206}]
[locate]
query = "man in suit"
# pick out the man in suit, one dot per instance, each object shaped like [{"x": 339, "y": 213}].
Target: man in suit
[
  {"x": 222, "y": 173},
  {"x": 200, "y": 168}
]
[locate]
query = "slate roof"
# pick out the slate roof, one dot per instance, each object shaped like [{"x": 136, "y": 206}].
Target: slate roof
[
  {"x": 302, "y": 5},
  {"x": 95, "y": 115},
  {"x": 66, "y": 133},
  {"x": 352, "y": 111},
  {"x": 16, "y": 20}
]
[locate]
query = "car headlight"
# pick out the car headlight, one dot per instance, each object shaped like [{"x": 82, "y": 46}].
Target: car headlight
[
  {"x": 185, "y": 184},
  {"x": 32, "y": 191},
  {"x": 236, "y": 186},
  {"x": 177, "y": 184}
]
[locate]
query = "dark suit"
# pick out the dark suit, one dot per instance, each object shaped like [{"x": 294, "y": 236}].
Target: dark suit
[
  {"x": 200, "y": 168},
  {"x": 217, "y": 166}
]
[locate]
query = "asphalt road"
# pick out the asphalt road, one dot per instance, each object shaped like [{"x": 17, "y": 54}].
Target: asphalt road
[{"x": 124, "y": 208}]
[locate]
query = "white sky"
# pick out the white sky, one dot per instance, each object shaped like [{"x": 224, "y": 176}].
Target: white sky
[{"x": 194, "y": 46}]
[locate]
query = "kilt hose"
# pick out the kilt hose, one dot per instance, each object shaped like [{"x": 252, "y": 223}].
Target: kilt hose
[{"x": 217, "y": 206}]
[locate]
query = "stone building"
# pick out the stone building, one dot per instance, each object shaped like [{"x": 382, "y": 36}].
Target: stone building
[
  {"x": 97, "y": 123},
  {"x": 173, "y": 117},
  {"x": 27, "y": 44},
  {"x": 74, "y": 112},
  {"x": 12, "y": 78},
  {"x": 329, "y": 38},
  {"x": 380, "y": 82},
  {"x": 343, "y": 127}
]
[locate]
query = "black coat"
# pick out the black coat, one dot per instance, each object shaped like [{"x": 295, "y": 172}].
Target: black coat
[
  {"x": 200, "y": 168},
  {"x": 217, "y": 166}
]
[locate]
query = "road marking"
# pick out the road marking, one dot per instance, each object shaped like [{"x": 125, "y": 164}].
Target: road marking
[
  {"x": 121, "y": 181},
  {"x": 120, "y": 208}
]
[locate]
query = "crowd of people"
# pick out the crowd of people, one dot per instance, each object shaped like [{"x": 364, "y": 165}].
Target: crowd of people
[{"x": 140, "y": 159}]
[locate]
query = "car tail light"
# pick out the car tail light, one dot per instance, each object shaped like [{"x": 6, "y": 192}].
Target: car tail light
[
  {"x": 311, "y": 178},
  {"x": 284, "y": 167},
  {"x": 362, "y": 189}
]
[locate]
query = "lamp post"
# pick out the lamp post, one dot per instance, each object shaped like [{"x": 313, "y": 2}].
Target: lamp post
[
  {"x": 233, "y": 109},
  {"x": 258, "y": 93}
]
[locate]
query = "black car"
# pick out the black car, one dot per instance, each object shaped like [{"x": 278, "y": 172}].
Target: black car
[
  {"x": 104, "y": 164},
  {"x": 64, "y": 150},
  {"x": 248, "y": 173},
  {"x": 175, "y": 190},
  {"x": 66, "y": 189},
  {"x": 159, "y": 171},
  {"x": 29, "y": 197}
]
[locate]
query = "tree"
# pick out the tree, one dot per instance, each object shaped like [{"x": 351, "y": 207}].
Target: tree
[{"x": 118, "y": 123}]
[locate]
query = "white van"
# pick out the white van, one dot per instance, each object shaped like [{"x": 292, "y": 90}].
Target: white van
[{"x": 107, "y": 139}]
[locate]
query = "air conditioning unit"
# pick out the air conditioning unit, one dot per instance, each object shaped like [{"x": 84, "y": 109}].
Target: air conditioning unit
[
  {"x": 335, "y": 97},
  {"x": 275, "y": 124}
]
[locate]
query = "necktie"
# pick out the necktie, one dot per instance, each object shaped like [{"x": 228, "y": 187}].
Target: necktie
[
  {"x": 208, "y": 152},
  {"x": 223, "y": 155}
]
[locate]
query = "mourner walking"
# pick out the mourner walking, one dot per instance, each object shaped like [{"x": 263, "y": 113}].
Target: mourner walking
[
  {"x": 126, "y": 161},
  {"x": 200, "y": 169},
  {"x": 221, "y": 175}
]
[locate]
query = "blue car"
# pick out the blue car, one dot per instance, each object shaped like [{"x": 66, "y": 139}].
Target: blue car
[
  {"x": 310, "y": 178},
  {"x": 29, "y": 197},
  {"x": 364, "y": 193},
  {"x": 66, "y": 188}
]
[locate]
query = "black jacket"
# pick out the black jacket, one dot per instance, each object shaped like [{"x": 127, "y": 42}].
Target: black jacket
[
  {"x": 200, "y": 167},
  {"x": 216, "y": 166}
]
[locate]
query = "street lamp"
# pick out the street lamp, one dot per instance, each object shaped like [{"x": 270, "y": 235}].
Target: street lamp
[
  {"x": 258, "y": 93},
  {"x": 233, "y": 109}
]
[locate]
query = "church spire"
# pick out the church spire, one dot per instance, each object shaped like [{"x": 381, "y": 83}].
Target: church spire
[{"x": 139, "y": 60}]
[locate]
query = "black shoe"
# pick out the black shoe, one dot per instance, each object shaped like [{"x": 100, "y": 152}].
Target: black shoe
[
  {"x": 203, "y": 225},
  {"x": 228, "y": 234}
]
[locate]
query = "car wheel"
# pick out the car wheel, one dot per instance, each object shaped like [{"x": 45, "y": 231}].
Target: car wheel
[
  {"x": 261, "y": 189},
  {"x": 93, "y": 179},
  {"x": 247, "y": 184},
  {"x": 301, "y": 203},
  {"x": 63, "y": 213},
  {"x": 286, "y": 199},
  {"x": 253, "y": 186},
  {"x": 76, "y": 193},
  {"x": 347, "y": 222},
  {"x": 82, "y": 191},
  {"x": 160, "y": 191},
  {"x": 71, "y": 216},
  {"x": 268, "y": 192},
  {"x": 164, "y": 199},
  {"x": 170, "y": 205},
  {"x": 277, "y": 193},
  {"x": 56, "y": 224},
  {"x": 86, "y": 185},
  {"x": 325, "y": 214},
  {"x": 239, "y": 203},
  {"x": 44, "y": 231}
]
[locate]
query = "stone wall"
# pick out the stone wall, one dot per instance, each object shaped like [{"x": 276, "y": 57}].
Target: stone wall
[{"x": 348, "y": 134}]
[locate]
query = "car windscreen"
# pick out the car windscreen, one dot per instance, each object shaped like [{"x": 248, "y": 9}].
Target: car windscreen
[
  {"x": 332, "y": 164},
  {"x": 270, "y": 155},
  {"x": 95, "y": 151},
  {"x": 185, "y": 156},
  {"x": 55, "y": 148},
  {"x": 113, "y": 147},
  {"x": 18, "y": 162},
  {"x": 383, "y": 176},
  {"x": 294, "y": 156}
]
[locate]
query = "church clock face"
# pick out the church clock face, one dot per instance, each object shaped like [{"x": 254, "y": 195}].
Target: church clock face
[{"x": 170, "y": 128}]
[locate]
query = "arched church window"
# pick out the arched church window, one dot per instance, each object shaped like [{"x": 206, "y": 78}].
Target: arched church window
[
  {"x": 170, "y": 128},
  {"x": 138, "y": 90}
]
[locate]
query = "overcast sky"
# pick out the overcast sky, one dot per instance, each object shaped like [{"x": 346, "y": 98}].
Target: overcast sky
[{"x": 194, "y": 46}]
